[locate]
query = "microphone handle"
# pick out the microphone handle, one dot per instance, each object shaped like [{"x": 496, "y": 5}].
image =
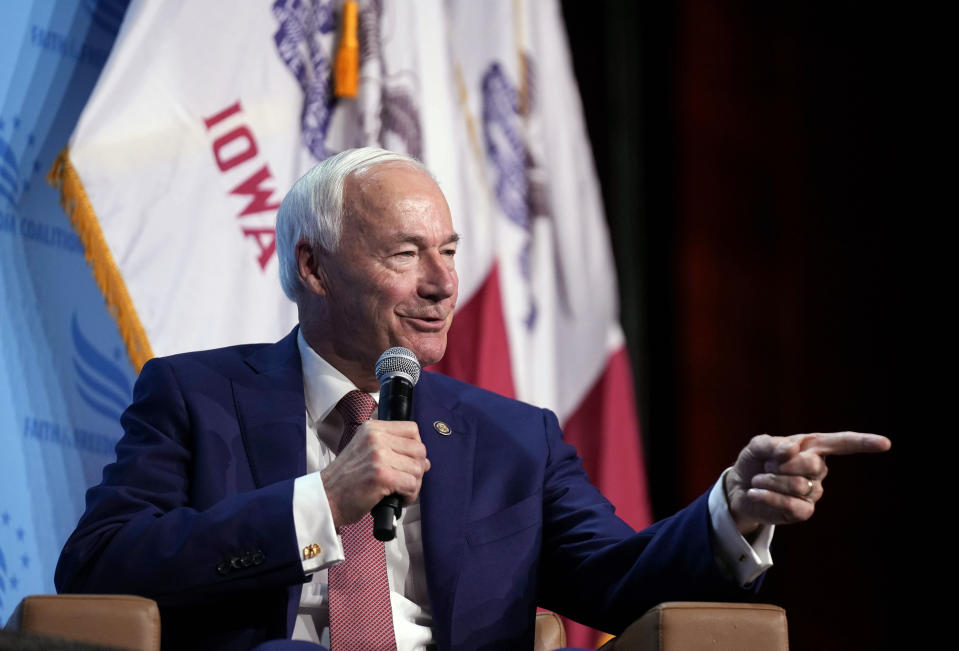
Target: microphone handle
[{"x": 396, "y": 403}]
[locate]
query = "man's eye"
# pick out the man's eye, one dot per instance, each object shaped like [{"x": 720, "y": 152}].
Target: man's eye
[
  {"x": 405, "y": 254},
  {"x": 449, "y": 252}
]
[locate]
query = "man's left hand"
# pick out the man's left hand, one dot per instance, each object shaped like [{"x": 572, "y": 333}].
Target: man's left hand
[{"x": 778, "y": 479}]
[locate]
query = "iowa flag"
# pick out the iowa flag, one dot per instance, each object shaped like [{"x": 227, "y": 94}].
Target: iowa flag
[{"x": 206, "y": 113}]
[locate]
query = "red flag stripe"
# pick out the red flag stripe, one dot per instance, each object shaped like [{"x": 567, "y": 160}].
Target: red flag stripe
[{"x": 605, "y": 430}]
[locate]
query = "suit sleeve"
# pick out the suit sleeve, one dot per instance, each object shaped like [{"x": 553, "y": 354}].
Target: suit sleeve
[
  {"x": 140, "y": 534},
  {"x": 597, "y": 570}
]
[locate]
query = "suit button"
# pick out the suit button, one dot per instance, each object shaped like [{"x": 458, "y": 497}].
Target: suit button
[
  {"x": 247, "y": 559},
  {"x": 235, "y": 563},
  {"x": 223, "y": 568},
  {"x": 258, "y": 557}
]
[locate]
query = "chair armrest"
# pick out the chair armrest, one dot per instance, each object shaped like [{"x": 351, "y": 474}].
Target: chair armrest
[
  {"x": 111, "y": 620},
  {"x": 687, "y": 625},
  {"x": 550, "y": 632}
]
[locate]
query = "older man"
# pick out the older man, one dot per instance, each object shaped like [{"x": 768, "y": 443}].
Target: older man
[{"x": 242, "y": 487}]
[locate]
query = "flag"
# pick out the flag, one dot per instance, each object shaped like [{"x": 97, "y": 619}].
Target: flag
[{"x": 207, "y": 112}]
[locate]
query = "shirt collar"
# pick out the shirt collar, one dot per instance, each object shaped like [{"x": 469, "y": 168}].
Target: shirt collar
[{"x": 323, "y": 385}]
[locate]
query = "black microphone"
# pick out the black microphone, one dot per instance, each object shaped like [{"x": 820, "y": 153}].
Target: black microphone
[{"x": 397, "y": 371}]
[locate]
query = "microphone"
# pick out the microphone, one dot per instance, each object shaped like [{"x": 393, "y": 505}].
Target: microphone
[{"x": 397, "y": 371}]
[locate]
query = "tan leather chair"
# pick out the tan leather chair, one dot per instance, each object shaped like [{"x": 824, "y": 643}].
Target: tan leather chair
[
  {"x": 690, "y": 626},
  {"x": 121, "y": 621},
  {"x": 687, "y": 626},
  {"x": 134, "y": 623},
  {"x": 550, "y": 632}
]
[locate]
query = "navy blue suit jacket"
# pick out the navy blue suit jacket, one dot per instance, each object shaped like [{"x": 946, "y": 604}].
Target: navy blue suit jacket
[{"x": 197, "y": 513}]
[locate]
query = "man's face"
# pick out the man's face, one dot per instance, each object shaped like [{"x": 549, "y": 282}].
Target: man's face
[{"x": 392, "y": 281}]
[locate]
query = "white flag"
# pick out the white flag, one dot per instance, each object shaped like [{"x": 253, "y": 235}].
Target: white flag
[{"x": 207, "y": 112}]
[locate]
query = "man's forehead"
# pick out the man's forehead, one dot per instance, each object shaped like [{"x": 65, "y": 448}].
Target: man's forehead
[
  {"x": 387, "y": 183},
  {"x": 383, "y": 199},
  {"x": 387, "y": 173}
]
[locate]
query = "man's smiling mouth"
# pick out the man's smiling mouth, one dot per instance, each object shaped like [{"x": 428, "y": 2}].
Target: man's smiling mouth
[{"x": 425, "y": 321}]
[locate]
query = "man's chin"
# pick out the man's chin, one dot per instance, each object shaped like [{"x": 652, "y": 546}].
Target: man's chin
[{"x": 427, "y": 352}]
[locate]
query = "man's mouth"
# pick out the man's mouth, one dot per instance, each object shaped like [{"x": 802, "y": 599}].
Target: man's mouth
[{"x": 426, "y": 321}]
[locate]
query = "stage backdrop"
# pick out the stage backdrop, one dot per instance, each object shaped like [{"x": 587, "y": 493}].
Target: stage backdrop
[
  {"x": 65, "y": 375},
  {"x": 205, "y": 114}
]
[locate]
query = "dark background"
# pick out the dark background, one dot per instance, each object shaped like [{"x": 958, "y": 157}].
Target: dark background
[{"x": 746, "y": 153}]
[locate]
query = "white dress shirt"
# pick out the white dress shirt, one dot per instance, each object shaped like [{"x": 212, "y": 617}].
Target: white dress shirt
[{"x": 324, "y": 386}]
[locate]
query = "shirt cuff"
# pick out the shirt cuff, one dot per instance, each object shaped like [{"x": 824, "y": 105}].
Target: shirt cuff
[
  {"x": 741, "y": 560},
  {"x": 319, "y": 546}
]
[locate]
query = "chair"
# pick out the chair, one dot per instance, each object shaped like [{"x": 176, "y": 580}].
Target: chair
[
  {"x": 122, "y": 621},
  {"x": 690, "y": 626},
  {"x": 134, "y": 623}
]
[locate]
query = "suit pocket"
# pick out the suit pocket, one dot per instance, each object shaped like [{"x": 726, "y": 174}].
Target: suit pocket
[{"x": 524, "y": 514}]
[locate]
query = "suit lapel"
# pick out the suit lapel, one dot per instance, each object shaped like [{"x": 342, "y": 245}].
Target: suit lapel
[
  {"x": 444, "y": 496},
  {"x": 271, "y": 410},
  {"x": 272, "y": 414}
]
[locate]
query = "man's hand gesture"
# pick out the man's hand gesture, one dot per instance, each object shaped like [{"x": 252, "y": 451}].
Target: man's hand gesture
[{"x": 778, "y": 479}]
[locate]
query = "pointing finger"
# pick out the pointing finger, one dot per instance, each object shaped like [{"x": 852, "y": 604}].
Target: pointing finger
[{"x": 845, "y": 443}]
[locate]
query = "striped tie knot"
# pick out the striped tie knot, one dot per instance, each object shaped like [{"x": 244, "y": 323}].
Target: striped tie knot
[{"x": 355, "y": 407}]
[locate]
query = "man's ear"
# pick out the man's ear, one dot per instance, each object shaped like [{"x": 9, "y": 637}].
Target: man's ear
[{"x": 309, "y": 269}]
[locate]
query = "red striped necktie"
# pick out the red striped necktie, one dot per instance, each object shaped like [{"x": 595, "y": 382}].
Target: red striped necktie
[{"x": 361, "y": 618}]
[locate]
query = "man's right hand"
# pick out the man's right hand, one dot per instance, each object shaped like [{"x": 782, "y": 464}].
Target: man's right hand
[{"x": 384, "y": 457}]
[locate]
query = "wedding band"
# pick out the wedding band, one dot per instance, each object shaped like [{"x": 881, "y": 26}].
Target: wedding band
[{"x": 811, "y": 486}]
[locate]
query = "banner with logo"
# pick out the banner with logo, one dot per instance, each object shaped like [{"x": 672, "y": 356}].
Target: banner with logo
[
  {"x": 64, "y": 372},
  {"x": 206, "y": 113}
]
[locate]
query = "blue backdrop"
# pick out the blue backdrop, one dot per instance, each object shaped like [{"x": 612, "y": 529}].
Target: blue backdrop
[{"x": 64, "y": 375}]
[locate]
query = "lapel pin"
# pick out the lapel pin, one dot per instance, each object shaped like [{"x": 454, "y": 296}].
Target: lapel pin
[{"x": 442, "y": 428}]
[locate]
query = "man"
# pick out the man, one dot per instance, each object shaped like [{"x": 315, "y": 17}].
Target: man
[{"x": 239, "y": 497}]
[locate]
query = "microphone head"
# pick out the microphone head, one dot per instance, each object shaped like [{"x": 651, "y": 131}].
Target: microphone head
[{"x": 397, "y": 361}]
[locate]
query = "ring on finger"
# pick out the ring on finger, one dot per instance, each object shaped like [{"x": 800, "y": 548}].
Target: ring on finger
[{"x": 810, "y": 489}]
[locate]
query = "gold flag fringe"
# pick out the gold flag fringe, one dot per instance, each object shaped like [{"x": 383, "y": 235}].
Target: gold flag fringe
[
  {"x": 74, "y": 200},
  {"x": 346, "y": 65}
]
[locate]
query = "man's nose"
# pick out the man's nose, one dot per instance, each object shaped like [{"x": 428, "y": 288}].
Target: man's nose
[{"x": 438, "y": 279}]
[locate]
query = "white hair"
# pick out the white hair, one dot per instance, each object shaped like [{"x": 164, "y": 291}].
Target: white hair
[{"x": 313, "y": 208}]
